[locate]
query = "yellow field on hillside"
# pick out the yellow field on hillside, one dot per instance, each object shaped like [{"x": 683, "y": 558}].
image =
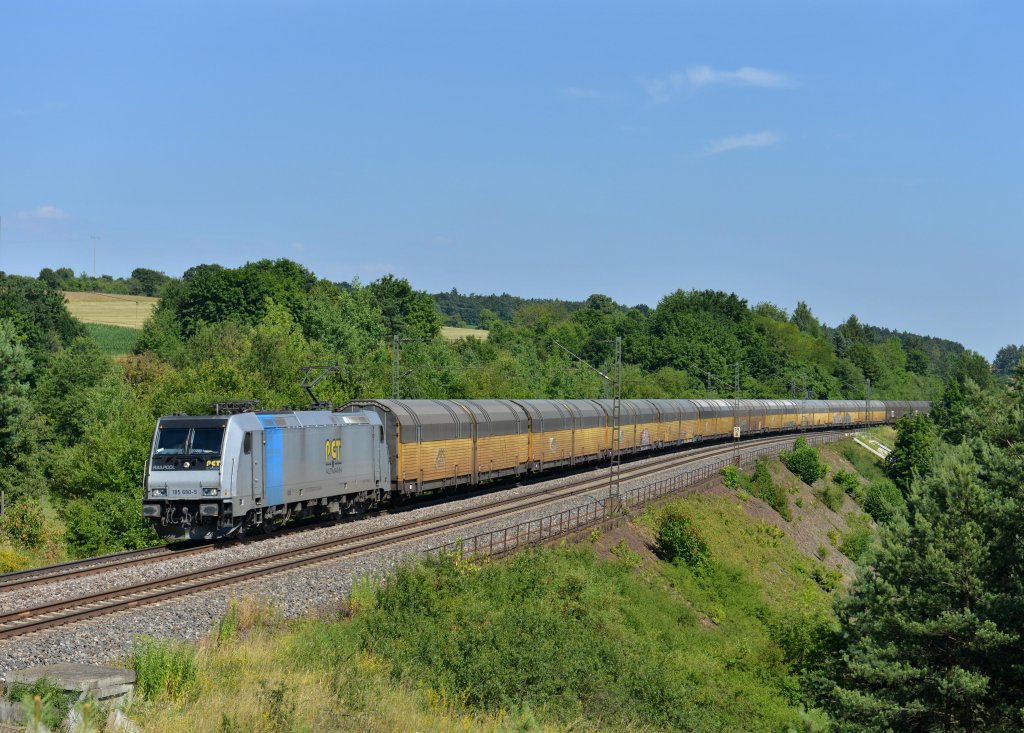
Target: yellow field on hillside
[
  {"x": 130, "y": 311},
  {"x": 454, "y": 334}
]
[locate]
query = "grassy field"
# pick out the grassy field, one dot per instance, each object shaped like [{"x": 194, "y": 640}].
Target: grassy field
[
  {"x": 128, "y": 311},
  {"x": 114, "y": 340},
  {"x": 451, "y": 333}
]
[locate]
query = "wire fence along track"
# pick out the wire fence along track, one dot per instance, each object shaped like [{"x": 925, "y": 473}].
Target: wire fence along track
[{"x": 536, "y": 531}]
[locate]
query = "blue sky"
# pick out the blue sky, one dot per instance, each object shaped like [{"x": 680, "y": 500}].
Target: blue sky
[{"x": 863, "y": 156}]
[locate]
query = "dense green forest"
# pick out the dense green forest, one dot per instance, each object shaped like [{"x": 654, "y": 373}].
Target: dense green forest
[
  {"x": 480, "y": 311},
  {"x": 75, "y": 424}
]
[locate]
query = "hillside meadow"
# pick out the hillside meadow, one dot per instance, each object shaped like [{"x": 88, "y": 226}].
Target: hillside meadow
[{"x": 611, "y": 633}]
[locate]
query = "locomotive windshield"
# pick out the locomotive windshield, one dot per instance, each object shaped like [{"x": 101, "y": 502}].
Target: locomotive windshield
[
  {"x": 192, "y": 441},
  {"x": 172, "y": 441},
  {"x": 206, "y": 440}
]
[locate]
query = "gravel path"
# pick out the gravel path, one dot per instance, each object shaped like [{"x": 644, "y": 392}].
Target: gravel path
[{"x": 297, "y": 592}]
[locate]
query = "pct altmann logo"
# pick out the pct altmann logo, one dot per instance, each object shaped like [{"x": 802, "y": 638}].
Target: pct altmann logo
[{"x": 332, "y": 455}]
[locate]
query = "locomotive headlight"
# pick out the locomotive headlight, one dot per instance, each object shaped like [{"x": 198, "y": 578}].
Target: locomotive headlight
[
  {"x": 158, "y": 492},
  {"x": 210, "y": 492}
]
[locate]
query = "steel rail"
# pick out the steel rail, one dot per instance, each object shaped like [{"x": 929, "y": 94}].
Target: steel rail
[
  {"x": 105, "y": 602},
  {"x": 146, "y": 555},
  {"x": 73, "y": 568}
]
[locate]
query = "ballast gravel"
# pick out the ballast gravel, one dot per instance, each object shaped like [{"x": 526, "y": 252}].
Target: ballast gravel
[{"x": 310, "y": 589}]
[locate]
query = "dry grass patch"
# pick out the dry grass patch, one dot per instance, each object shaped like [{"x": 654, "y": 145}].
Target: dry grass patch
[
  {"x": 451, "y": 333},
  {"x": 130, "y": 311}
]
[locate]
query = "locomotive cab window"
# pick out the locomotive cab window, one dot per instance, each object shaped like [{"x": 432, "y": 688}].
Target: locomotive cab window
[
  {"x": 172, "y": 441},
  {"x": 247, "y": 444},
  {"x": 206, "y": 440}
]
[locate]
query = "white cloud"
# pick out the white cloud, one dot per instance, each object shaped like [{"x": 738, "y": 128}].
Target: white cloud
[
  {"x": 697, "y": 77},
  {"x": 738, "y": 142},
  {"x": 298, "y": 246},
  {"x": 44, "y": 213}
]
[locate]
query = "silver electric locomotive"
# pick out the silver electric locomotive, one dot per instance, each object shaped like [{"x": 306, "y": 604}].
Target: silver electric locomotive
[{"x": 225, "y": 475}]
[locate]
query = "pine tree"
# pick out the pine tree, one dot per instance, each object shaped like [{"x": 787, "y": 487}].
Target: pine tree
[
  {"x": 925, "y": 636},
  {"x": 948, "y": 413},
  {"x": 911, "y": 454},
  {"x": 932, "y": 633}
]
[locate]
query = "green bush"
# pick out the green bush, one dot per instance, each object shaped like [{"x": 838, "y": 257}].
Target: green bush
[
  {"x": 25, "y": 523},
  {"x": 884, "y": 501},
  {"x": 857, "y": 539},
  {"x": 679, "y": 541},
  {"x": 804, "y": 462},
  {"x": 577, "y": 638},
  {"x": 828, "y": 579},
  {"x": 849, "y": 483},
  {"x": 734, "y": 478},
  {"x": 831, "y": 496},
  {"x": 763, "y": 487},
  {"x": 109, "y": 521},
  {"x": 165, "y": 668}
]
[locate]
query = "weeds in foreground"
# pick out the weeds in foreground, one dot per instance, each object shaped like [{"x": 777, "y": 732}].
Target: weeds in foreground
[
  {"x": 165, "y": 668},
  {"x": 760, "y": 484}
]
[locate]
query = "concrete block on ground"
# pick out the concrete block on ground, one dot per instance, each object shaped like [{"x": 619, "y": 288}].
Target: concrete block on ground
[
  {"x": 10, "y": 714},
  {"x": 118, "y": 722},
  {"x": 103, "y": 684}
]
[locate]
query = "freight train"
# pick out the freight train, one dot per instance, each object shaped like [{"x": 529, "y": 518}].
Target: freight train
[{"x": 231, "y": 474}]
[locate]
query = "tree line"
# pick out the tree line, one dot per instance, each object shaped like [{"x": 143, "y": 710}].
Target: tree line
[
  {"x": 75, "y": 424},
  {"x": 142, "y": 281}
]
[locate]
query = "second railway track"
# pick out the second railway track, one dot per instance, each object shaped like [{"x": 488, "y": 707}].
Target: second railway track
[{"x": 80, "y": 608}]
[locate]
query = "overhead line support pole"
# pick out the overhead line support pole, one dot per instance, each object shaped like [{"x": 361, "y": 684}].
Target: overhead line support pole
[
  {"x": 736, "y": 416},
  {"x": 615, "y": 468},
  {"x": 867, "y": 404},
  {"x": 396, "y": 365}
]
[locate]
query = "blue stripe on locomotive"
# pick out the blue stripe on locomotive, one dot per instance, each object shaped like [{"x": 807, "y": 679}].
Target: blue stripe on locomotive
[{"x": 273, "y": 461}]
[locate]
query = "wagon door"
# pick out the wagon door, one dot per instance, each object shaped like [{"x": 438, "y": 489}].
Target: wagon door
[{"x": 256, "y": 441}]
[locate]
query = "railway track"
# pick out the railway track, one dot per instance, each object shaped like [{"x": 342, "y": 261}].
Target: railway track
[
  {"x": 89, "y": 566},
  {"x": 50, "y": 615},
  {"x": 146, "y": 555}
]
